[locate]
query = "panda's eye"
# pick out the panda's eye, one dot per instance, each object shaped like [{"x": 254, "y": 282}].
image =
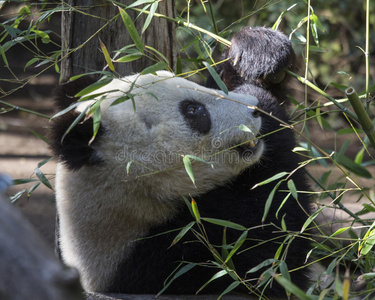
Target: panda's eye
[
  {"x": 196, "y": 116},
  {"x": 193, "y": 109}
]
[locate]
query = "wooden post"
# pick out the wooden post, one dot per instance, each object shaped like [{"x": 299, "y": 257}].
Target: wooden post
[{"x": 85, "y": 21}]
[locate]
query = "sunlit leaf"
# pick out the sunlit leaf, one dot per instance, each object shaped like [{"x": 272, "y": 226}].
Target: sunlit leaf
[
  {"x": 106, "y": 55},
  {"x": 132, "y": 30}
]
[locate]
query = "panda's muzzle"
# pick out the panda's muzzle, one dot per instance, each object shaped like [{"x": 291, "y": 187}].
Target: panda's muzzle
[{"x": 249, "y": 147}]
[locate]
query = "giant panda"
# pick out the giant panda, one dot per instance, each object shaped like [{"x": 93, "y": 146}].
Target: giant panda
[{"x": 121, "y": 198}]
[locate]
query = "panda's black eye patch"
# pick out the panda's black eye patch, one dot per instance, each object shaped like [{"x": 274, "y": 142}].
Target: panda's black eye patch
[{"x": 196, "y": 115}]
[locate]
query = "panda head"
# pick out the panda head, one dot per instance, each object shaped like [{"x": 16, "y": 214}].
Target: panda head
[{"x": 146, "y": 137}]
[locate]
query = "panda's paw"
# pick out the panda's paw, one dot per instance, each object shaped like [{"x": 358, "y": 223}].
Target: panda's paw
[{"x": 261, "y": 54}]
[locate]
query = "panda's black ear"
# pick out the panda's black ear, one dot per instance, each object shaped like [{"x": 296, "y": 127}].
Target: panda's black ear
[
  {"x": 258, "y": 56},
  {"x": 66, "y": 91},
  {"x": 73, "y": 149}
]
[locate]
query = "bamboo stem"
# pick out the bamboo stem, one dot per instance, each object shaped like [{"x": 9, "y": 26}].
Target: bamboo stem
[
  {"x": 25, "y": 110},
  {"x": 323, "y": 93},
  {"x": 363, "y": 117}
]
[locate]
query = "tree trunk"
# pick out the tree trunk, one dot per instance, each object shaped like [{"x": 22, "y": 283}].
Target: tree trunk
[{"x": 86, "y": 21}]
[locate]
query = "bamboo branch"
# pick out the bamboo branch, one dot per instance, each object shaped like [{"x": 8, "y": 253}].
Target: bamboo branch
[{"x": 363, "y": 117}]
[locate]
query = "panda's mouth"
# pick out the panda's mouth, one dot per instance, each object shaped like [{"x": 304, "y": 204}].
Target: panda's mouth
[{"x": 249, "y": 147}]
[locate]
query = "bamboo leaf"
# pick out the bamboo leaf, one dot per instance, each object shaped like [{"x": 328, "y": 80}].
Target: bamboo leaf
[
  {"x": 216, "y": 77},
  {"x": 153, "y": 8},
  {"x": 263, "y": 264},
  {"x": 43, "y": 179},
  {"x": 120, "y": 100},
  {"x": 106, "y": 56},
  {"x": 214, "y": 277},
  {"x": 188, "y": 168},
  {"x": 293, "y": 189},
  {"x": 129, "y": 57},
  {"x": 273, "y": 178},
  {"x": 230, "y": 288},
  {"x": 237, "y": 245},
  {"x": 267, "y": 206},
  {"x": 93, "y": 87},
  {"x": 132, "y": 30},
  {"x": 311, "y": 218},
  {"x": 75, "y": 122},
  {"x": 196, "y": 213},
  {"x": 180, "y": 272},
  {"x": 154, "y": 68},
  {"x": 182, "y": 233},
  {"x": 225, "y": 223},
  {"x": 96, "y": 123},
  {"x": 292, "y": 288}
]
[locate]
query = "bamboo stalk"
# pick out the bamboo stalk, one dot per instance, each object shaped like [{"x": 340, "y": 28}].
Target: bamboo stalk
[{"x": 363, "y": 117}]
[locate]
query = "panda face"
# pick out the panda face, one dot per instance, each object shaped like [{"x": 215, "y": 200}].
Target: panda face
[{"x": 174, "y": 117}]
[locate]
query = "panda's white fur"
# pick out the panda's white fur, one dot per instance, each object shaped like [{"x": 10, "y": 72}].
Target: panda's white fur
[{"x": 143, "y": 175}]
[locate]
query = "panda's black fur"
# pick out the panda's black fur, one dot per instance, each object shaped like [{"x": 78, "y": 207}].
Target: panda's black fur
[{"x": 258, "y": 59}]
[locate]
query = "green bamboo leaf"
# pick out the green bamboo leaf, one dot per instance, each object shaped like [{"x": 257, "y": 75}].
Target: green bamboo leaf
[
  {"x": 158, "y": 53},
  {"x": 230, "y": 288},
  {"x": 292, "y": 288},
  {"x": 267, "y": 206},
  {"x": 129, "y": 57},
  {"x": 32, "y": 189},
  {"x": 30, "y": 62},
  {"x": 353, "y": 167},
  {"x": 263, "y": 264},
  {"x": 311, "y": 218},
  {"x": 216, "y": 77},
  {"x": 64, "y": 111},
  {"x": 284, "y": 270},
  {"x": 293, "y": 189},
  {"x": 153, "y": 8},
  {"x": 214, "y": 277},
  {"x": 368, "y": 241},
  {"x": 93, "y": 87},
  {"x": 23, "y": 181},
  {"x": 154, "y": 68},
  {"x": 2, "y": 52},
  {"x": 196, "y": 213},
  {"x": 106, "y": 56},
  {"x": 75, "y": 122},
  {"x": 120, "y": 100},
  {"x": 96, "y": 123},
  {"x": 237, "y": 245},
  {"x": 139, "y": 2},
  {"x": 188, "y": 168},
  {"x": 244, "y": 128},
  {"x": 128, "y": 166},
  {"x": 132, "y": 30},
  {"x": 43, "y": 179},
  {"x": 182, "y": 233},
  {"x": 225, "y": 223},
  {"x": 273, "y": 178},
  {"x": 179, "y": 273},
  {"x": 41, "y": 137},
  {"x": 281, "y": 205},
  {"x": 340, "y": 230}
]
